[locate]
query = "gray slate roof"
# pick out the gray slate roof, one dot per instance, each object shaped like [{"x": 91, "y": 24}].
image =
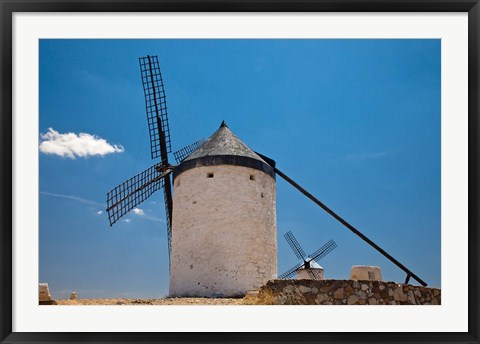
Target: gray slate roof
[{"x": 223, "y": 142}]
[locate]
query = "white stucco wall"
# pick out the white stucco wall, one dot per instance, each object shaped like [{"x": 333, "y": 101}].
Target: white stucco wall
[
  {"x": 223, "y": 231},
  {"x": 303, "y": 274},
  {"x": 366, "y": 273}
]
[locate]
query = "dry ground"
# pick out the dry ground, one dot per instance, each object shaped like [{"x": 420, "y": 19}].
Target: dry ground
[{"x": 164, "y": 301}]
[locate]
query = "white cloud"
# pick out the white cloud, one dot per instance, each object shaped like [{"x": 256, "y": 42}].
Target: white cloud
[
  {"x": 138, "y": 211},
  {"x": 127, "y": 220},
  {"x": 73, "y": 145},
  {"x": 99, "y": 212}
]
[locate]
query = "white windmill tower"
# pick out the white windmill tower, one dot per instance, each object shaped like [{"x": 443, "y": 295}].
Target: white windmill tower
[{"x": 224, "y": 223}]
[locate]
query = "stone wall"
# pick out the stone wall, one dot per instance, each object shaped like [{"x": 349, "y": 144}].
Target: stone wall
[{"x": 345, "y": 292}]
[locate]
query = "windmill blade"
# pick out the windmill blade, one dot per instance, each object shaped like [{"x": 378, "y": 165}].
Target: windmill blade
[
  {"x": 314, "y": 274},
  {"x": 181, "y": 154},
  {"x": 291, "y": 271},
  {"x": 295, "y": 246},
  {"x": 156, "y": 106},
  {"x": 157, "y": 117},
  {"x": 323, "y": 251},
  {"x": 134, "y": 191}
]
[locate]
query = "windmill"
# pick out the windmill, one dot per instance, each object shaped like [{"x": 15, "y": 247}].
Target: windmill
[
  {"x": 309, "y": 267},
  {"x": 208, "y": 269}
]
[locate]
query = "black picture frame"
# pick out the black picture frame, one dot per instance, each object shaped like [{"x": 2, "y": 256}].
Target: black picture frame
[{"x": 9, "y": 7}]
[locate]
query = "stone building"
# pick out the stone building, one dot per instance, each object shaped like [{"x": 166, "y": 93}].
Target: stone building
[{"x": 224, "y": 220}]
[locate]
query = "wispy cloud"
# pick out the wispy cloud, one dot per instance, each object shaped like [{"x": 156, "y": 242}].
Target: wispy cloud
[
  {"x": 365, "y": 156},
  {"x": 99, "y": 212},
  {"x": 73, "y": 198},
  {"x": 146, "y": 217},
  {"x": 72, "y": 145},
  {"x": 138, "y": 211},
  {"x": 153, "y": 218},
  {"x": 141, "y": 212}
]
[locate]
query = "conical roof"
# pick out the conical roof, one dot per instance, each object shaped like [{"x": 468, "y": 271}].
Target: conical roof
[
  {"x": 224, "y": 142},
  {"x": 314, "y": 265},
  {"x": 223, "y": 147}
]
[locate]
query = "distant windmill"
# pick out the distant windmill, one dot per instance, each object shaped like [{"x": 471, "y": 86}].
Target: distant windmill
[
  {"x": 309, "y": 267},
  {"x": 221, "y": 221}
]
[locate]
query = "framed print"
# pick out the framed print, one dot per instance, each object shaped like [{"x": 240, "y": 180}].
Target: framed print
[{"x": 307, "y": 172}]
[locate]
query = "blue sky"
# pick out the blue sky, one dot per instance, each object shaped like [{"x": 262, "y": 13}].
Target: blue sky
[{"x": 355, "y": 122}]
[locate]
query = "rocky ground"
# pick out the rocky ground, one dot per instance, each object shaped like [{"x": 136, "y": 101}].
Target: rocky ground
[{"x": 299, "y": 292}]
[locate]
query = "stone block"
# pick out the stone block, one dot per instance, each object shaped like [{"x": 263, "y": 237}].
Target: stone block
[
  {"x": 399, "y": 295},
  {"x": 338, "y": 294},
  {"x": 304, "y": 289},
  {"x": 348, "y": 290},
  {"x": 44, "y": 292},
  {"x": 352, "y": 299}
]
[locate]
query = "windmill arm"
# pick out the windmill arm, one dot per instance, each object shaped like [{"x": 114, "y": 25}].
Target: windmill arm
[
  {"x": 184, "y": 152},
  {"x": 134, "y": 191},
  {"x": 291, "y": 271},
  {"x": 323, "y": 251},
  {"x": 295, "y": 246}
]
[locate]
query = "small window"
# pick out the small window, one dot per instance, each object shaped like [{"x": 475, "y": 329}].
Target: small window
[
  {"x": 210, "y": 175},
  {"x": 252, "y": 177}
]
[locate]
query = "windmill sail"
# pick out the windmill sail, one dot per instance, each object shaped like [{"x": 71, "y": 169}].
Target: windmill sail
[
  {"x": 291, "y": 271},
  {"x": 182, "y": 153},
  {"x": 295, "y": 246},
  {"x": 156, "y": 106},
  {"x": 132, "y": 192},
  {"x": 314, "y": 274},
  {"x": 323, "y": 251},
  {"x": 157, "y": 117}
]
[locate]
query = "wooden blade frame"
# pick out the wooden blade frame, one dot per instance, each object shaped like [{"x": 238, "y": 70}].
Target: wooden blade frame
[
  {"x": 295, "y": 246},
  {"x": 181, "y": 154},
  {"x": 291, "y": 271},
  {"x": 132, "y": 192},
  {"x": 323, "y": 251},
  {"x": 156, "y": 106},
  {"x": 314, "y": 274}
]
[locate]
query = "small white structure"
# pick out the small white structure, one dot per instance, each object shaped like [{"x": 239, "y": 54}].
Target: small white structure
[
  {"x": 224, "y": 220},
  {"x": 315, "y": 269},
  {"x": 44, "y": 292},
  {"x": 366, "y": 272}
]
